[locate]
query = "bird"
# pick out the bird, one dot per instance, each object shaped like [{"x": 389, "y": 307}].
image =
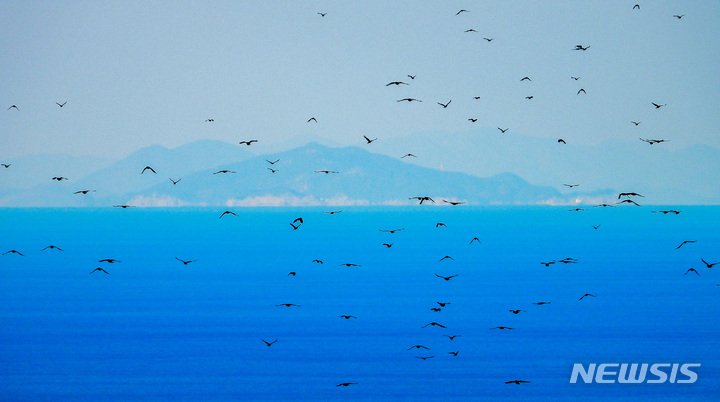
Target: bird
[
  {"x": 525, "y": 79},
  {"x": 292, "y": 273},
  {"x": 412, "y": 77},
  {"x": 312, "y": 119},
  {"x": 52, "y": 247},
  {"x": 287, "y": 305},
  {"x": 547, "y": 264},
  {"x": 678, "y": 16},
  {"x": 454, "y": 353},
  {"x": 453, "y": 202},
  {"x": 148, "y": 168},
  {"x": 577, "y": 209},
  {"x": 13, "y": 106},
  {"x": 349, "y": 265},
  {"x": 708, "y": 264},
  {"x": 541, "y": 303},
  {"x": 396, "y": 83},
  {"x": 99, "y": 269},
  {"x": 476, "y": 97},
  {"x": 272, "y": 162},
  {"x": 580, "y": 47},
  {"x": 470, "y": 30},
  {"x": 586, "y": 295},
  {"x": 462, "y": 11},
  {"x": 224, "y": 171},
  {"x": 447, "y": 278},
  {"x": 347, "y": 317},
  {"x": 637, "y": 123},
  {"x": 332, "y": 212},
  {"x": 444, "y": 105},
  {"x": 691, "y": 270},
  {"x": 61, "y": 104},
  {"x": 516, "y": 311},
  {"x": 575, "y": 78},
  {"x": 672, "y": 211},
  {"x": 424, "y": 357},
  {"x": 685, "y": 242},
  {"x": 209, "y": 120},
  {"x": 595, "y": 227},
  {"x": 248, "y": 142},
  {"x": 388, "y": 245},
  {"x": 529, "y": 97},
  {"x": 322, "y": 14},
  {"x": 437, "y": 225},
  {"x": 368, "y": 139},
  {"x": 317, "y": 261},
  {"x": 345, "y": 384},
  {"x": 407, "y": 155},
  {"x": 174, "y": 182},
  {"x": 657, "y": 106},
  {"x": 489, "y": 39},
  {"x": 651, "y": 142},
  {"x": 629, "y": 195},
  {"x": 84, "y": 191},
  {"x": 446, "y": 257},
  {"x": 636, "y": 6},
  {"x": 581, "y": 90},
  {"x": 517, "y": 382},
  {"x": 475, "y": 239},
  {"x": 434, "y": 324},
  {"x": 443, "y": 304},
  {"x": 268, "y": 344},
  {"x": 56, "y": 178},
  {"x": 561, "y": 141},
  {"x": 185, "y": 262},
  {"x": 272, "y": 170},
  {"x": 571, "y": 185},
  {"x": 14, "y": 252},
  {"x": 391, "y": 230},
  {"x": 503, "y": 130},
  {"x": 629, "y": 201},
  {"x": 109, "y": 260},
  {"x": 124, "y": 206},
  {"x": 422, "y": 199},
  {"x": 5, "y": 165},
  {"x": 325, "y": 171},
  {"x": 604, "y": 205},
  {"x": 451, "y": 337},
  {"x": 503, "y": 328},
  {"x": 473, "y": 120},
  {"x": 409, "y": 100},
  {"x": 227, "y": 213},
  {"x": 418, "y": 347}
]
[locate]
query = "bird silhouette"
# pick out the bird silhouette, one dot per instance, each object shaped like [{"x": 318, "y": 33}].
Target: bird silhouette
[
  {"x": 489, "y": 39},
  {"x": 268, "y": 344},
  {"x": 636, "y": 6},
  {"x": 209, "y": 120},
  {"x": 227, "y": 213},
  {"x": 14, "y": 252},
  {"x": 272, "y": 162},
  {"x": 396, "y": 83},
  {"x": 322, "y": 14},
  {"x": 61, "y": 104},
  {"x": 345, "y": 384},
  {"x": 629, "y": 195},
  {"x": 561, "y": 141},
  {"x": 529, "y": 97},
  {"x": 437, "y": 225},
  {"x": 516, "y": 311},
  {"x": 503, "y": 130},
  {"x": 391, "y": 230},
  {"x": 671, "y": 211},
  {"x": 577, "y": 209},
  {"x": 287, "y": 305},
  {"x": 272, "y": 170},
  {"x": 418, "y": 347},
  {"x": 436, "y": 309},
  {"x": 451, "y": 337},
  {"x": 679, "y": 16},
  {"x": 637, "y": 123},
  {"x": 224, "y": 171},
  {"x": 447, "y": 278},
  {"x": 575, "y": 78},
  {"x": 5, "y": 165},
  {"x": 580, "y": 47},
  {"x": 248, "y": 142},
  {"x": 148, "y": 168},
  {"x": 509, "y": 328},
  {"x": 454, "y": 202},
  {"x": 595, "y": 227},
  {"x": 312, "y": 119},
  {"x": 407, "y": 155},
  {"x": 547, "y": 264},
  {"x": 628, "y": 201},
  {"x": 59, "y": 249},
  {"x": 444, "y": 105},
  {"x": 388, "y": 245},
  {"x": 691, "y": 270},
  {"x": 571, "y": 185},
  {"x": 412, "y": 77},
  {"x": 684, "y": 243},
  {"x": 657, "y": 106},
  {"x": 581, "y": 90},
  {"x": 441, "y": 304},
  {"x": 325, "y": 171},
  {"x": 541, "y": 303},
  {"x": 409, "y": 100},
  {"x": 99, "y": 269},
  {"x": 475, "y": 239},
  {"x": 13, "y": 107},
  {"x": 332, "y": 212},
  {"x": 446, "y": 258},
  {"x": 422, "y": 199},
  {"x": 59, "y": 178},
  {"x": 424, "y": 357},
  {"x": 473, "y": 120},
  {"x": 347, "y": 317},
  {"x": 434, "y": 324},
  {"x": 525, "y": 79},
  {"x": 295, "y": 227},
  {"x": 586, "y": 295},
  {"x": 174, "y": 182},
  {"x": 84, "y": 191},
  {"x": 651, "y": 142},
  {"x": 708, "y": 264},
  {"x": 454, "y": 353},
  {"x": 185, "y": 262},
  {"x": 124, "y": 206},
  {"x": 517, "y": 382},
  {"x": 317, "y": 261},
  {"x": 109, "y": 260},
  {"x": 349, "y": 265},
  {"x": 368, "y": 139},
  {"x": 292, "y": 273},
  {"x": 461, "y": 11}
]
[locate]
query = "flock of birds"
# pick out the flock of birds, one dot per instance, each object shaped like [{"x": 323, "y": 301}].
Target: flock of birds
[{"x": 625, "y": 198}]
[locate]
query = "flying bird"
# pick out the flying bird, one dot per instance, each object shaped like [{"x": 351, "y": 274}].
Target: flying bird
[
  {"x": 586, "y": 295},
  {"x": 503, "y": 130},
  {"x": 489, "y": 39},
  {"x": 525, "y": 79},
  {"x": 13, "y": 106},
  {"x": 272, "y": 162},
  {"x": 272, "y": 170},
  {"x": 580, "y": 47},
  {"x": 447, "y": 257},
  {"x": 444, "y": 105},
  {"x": 470, "y": 30},
  {"x": 517, "y": 382},
  {"x": 652, "y": 141},
  {"x": 312, "y": 119},
  {"x": 516, "y": 311},
  {"x": 451, "y": 337},
  {"x": 447, "y": 278},
  {"x": 454, "y": 353},
  {"x": 678, "y": 16},
  {"x": 595, "y": 227},
  {"x": 708, "y": 264},
  {"x": 418, "y": 347},
  {"x": 424, "y": 357},
  {"x": 581, "y": 90},
  {"x": 287, "y": 305},
  {"x": 345, "y": 384},
  {"x": 575, "y": 78},
  {"x": 124, "y": 206},
  {"x": 629, "y": 195},
  {"x": 396, "y": 83},
  {"x": 185, "y": 262},
  {"x": 391, "y": 230},
  {"x": 685, "y": 242},
  {"x": 629, "y": 201},
  {"x": 422, "y": 199},
  {"x": 61, "y": 104},
  {"x": 637, "y": 123},
  {"x": 292, "y": 273},
  {"x": 52, "y": 247},
  {"x": 434, "y": 324},
  {"x": 322, "y": 14},
  {"x": 636, "y": 6},
  {"x": 437, "y": 225},
  {"x": 691, "y": 270},
  {"x": 561, "y": 141},
  {"x": 227, "y": 213},
  {"x": 475, "y": 239},
  {"x": 109, "y": 260},
  {"x": 332, "y": 212},
  {"x": 56, "y": 178},
  {"x": 148, "y": 168},
  {"x": 462, "y": 11},
  {"x": 541, "y": 303},
  {"x": 529, "y": 97},
  {"x": 14, "y": 252},
  {"x": 248, "y": 142},
  {"x": 268, "y": 343},
  {"x": 502, "y": 328},
  {"x": 409, "y": 100},
  {"x": 317, "y": 261},
  {"x": 406, "y": 155},
  {"x": 84, "y": 191},
  {"x": 473, "y": 120},
  {"x": 658, "y": 106},
  {"x": 412, "y": 77},
  {"x": 388, "y": 245},
  {"x": 325, "y": 171},
  {"x": 5, "y": 165},
  {"x": 672, "y": 211},
  {"x": 209, "y": 120},
  {"x": 349, "y": 265},
  {"x": 174, "y": 182},
  {"x": 368, "y": 139},
  {"x": 454, "y": 202},
  {"x": 441, "y": 304},
  {"x": 347, "y": 317},
  {"x": 99, "y": 269},
  {"x": 571, "y": 185}
]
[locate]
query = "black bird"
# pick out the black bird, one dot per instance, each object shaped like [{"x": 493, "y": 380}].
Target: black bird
[
  {"x": 604, "y": 205},
  {"x": 629, "y": 195},
  {"x": 388, "y": 245},
  {"x": 547, "y": 264},
  {"x": 294, "y": 226},
  {"x": 185, "y": 262},
  {"x": 272, "y": 170},
  {"x": 561, "y": 141},
  {"x": 541, "y": 303},
  {"x": 174, "y": 182},
  {"x": 525, "y": 79},
  {"x": 325, "y": 171},
  {"x": 349, "y": 265},
  {"x": 148, "y": 168},
  {"x": 476, "y": 97},
  {"x": 685, "y": 242},
  {"x": 489, "y": 39},
  {"x": 409, "y": 100},
  {"x": 444, "y": 105},
  {"x": 13, "y": 106},
  {"x": 268, "y": 343},
  {"x": 580, "y": 47},
  {"x": 322, "y": 14},
  {"x": 418, "y": 347},
  {"x": 292, "y": 273},
  {"x": 5, "y": 165},
  {"x": 396, "y": 83},
  {"x": 59, "y": 249},
  {"x": 461, "y": 11},
  {"x": 99, "y": 269},
  {"x": 412, "y": 77},
  {"x": 59, "y": 178},
  {"x": 473, "y": 120},
  {"x": 437, "y": 225},
  {"x": 672, "y": 211},
  {"x": 653, "y": 141},
  {"x": 575, "y": 78},
  {"x": 345, "y": 384},
  {"x": 332, "y": 212},
  {"x": 312, "y": 119},
  {"x": 109, "y": 260},
  {"x": 209, "y": 120},
  {"x": 447, "y": 278},
  {"x": 502, "y": 328},
  {"x": 577, "y": 209},
  {"x": 227, "y": 213},
  {"x": 436, "y": 309},
  {"x": 391, "y": 230},
  {"x": 225, "y": 171},
  {"x": 422, "y": 199},
  {"x": 586, "y": 294},
  {"x": 434, "y": 324},
  {"x": 503, "y": 131},
  {"x": 272, "y": 162},
  {"x": 517, "y": 382},
  {"x": 84, "y": 191},
  {"x": 708, "y": 264},
  {"x": 529, "y": 97},
  {"x": 443, "y": 304},
  {"x": 516, "y": 311},
  {"x": 347, "y": 317},
  {"x": 124, "y": 206},
  {"x": 368, "y": 139},
  {"x": 14, "y": 252},
  {"x": 317, "y": 261},
  {"x": 447, "y": 257},
  {"x": 287, "y": 305},
  {"x": 61, "y": 104},
  {"x": 405, "y": 156},
  {"x": 636, "y": 6},
  {"x": 595, "y": 227},
  {"x": 453, "y": 202},
  {"x": 629, "y": 201},
  {"x": 470, "y": 30},
  {"x": 691, "y": 270},
  {"x": 454, "y": 353},
  {"x": 637, "y": 123},
  {"x": 678, "y": 16},
  {"x": 299, "y": 220},
  {"x": 451, "y": 337},
  {"x": 571, "y": 185},
  {"x": 248, "y": 142},
  {"x": 475, "y": 239},
  {"x": 658, "y": 106},
  {"x": 581, "y": 90},
  {"x": 424, "y": 357}
]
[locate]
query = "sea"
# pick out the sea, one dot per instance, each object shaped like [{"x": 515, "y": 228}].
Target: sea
[{"x": 156, "y": 329}]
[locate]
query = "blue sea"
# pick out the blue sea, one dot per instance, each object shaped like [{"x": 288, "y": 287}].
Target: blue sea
[{"x": 154, "y": 328}]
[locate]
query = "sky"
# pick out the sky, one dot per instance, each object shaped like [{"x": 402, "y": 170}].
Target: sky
[{"x": 138, "y": 73}]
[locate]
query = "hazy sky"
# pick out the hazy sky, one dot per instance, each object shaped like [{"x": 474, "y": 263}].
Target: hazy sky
[{"x": 136, "y": 73}]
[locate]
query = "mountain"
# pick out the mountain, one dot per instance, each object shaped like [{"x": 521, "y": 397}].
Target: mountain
[{"x": 363, "y": 178}]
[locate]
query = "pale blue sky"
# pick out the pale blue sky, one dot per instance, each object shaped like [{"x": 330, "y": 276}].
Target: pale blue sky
[{"x": 137, "y": 73}]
